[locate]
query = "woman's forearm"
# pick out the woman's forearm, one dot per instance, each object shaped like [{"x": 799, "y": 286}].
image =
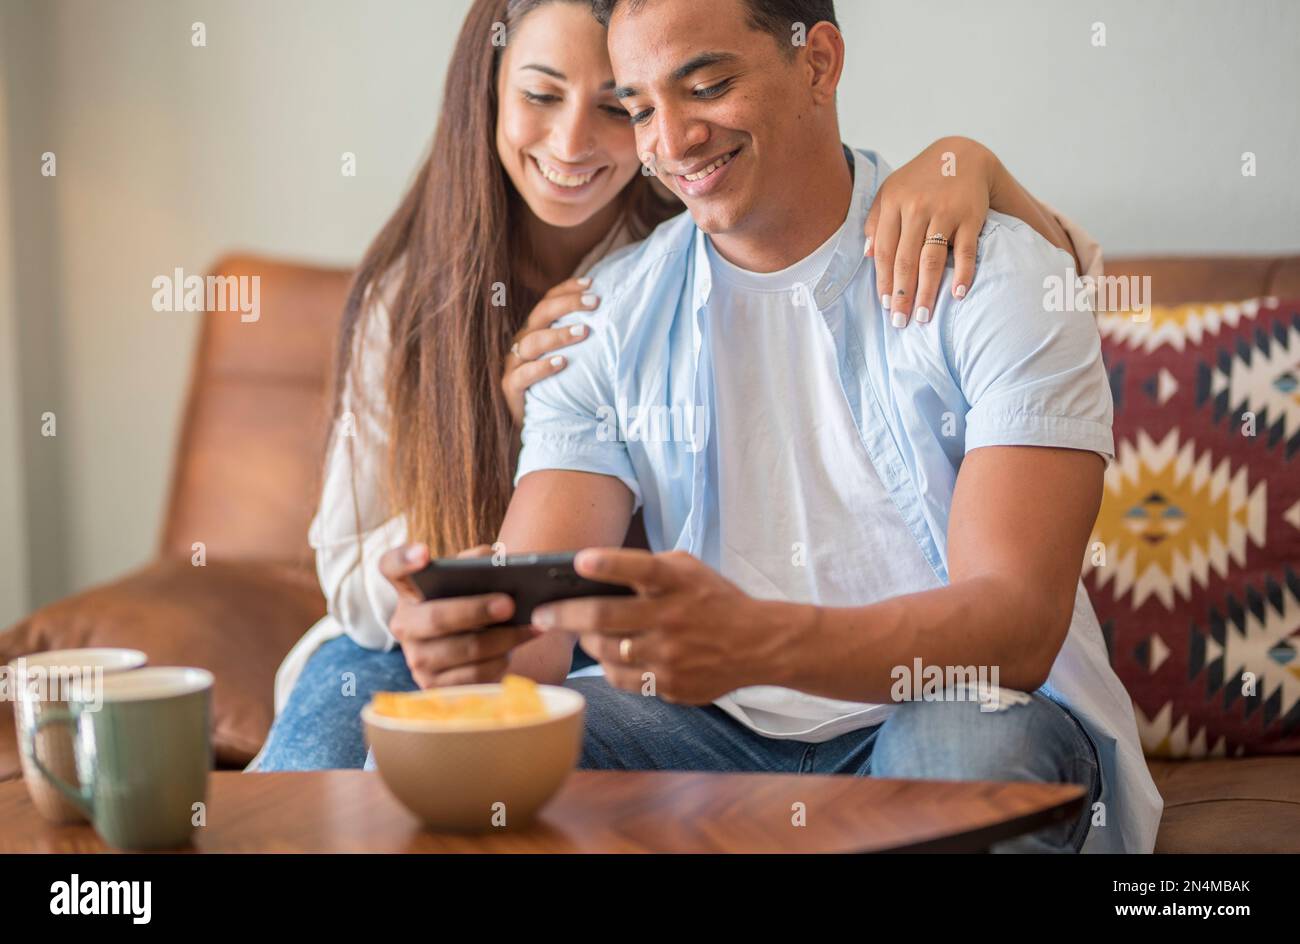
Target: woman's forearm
[{"x": 1006, "y": 195}]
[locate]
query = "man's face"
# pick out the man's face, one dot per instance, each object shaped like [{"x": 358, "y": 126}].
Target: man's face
[{"x": 716, "y": 105}]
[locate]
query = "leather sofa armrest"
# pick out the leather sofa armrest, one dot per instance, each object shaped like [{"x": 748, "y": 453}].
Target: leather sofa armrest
[{"x": 237, "y": 620}]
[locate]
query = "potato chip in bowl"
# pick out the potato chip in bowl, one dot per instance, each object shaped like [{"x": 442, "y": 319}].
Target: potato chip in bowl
[{"x": 518, "y": 700}]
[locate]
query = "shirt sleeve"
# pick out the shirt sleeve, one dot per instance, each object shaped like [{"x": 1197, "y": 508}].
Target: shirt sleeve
[
  {"x": 571, "y": 419},
  {"x": 1027, "y": 359},
  {"x": 352, "y": 529}
]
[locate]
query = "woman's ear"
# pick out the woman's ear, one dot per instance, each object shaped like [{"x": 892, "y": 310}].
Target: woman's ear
[{"x": 824, "y": 57}]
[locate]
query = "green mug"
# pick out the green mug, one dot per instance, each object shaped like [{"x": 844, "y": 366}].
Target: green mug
[{"x": 143, "y": 752}]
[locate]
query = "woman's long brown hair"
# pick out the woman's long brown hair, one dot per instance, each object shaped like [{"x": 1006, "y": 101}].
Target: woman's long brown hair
[{"x": 446, "y": 258}]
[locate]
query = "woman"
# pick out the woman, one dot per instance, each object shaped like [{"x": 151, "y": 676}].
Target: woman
[{"x": 531, "y": 179}]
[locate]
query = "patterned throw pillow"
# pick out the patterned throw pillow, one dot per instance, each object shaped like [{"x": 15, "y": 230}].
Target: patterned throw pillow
[{"x": 1194, "y": 564}]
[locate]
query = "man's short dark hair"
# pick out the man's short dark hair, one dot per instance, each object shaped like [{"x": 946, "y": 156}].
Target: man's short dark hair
[{"x": 770, "y": 16}]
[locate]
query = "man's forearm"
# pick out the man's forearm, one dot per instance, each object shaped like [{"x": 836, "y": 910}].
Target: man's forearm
[
  {"x": 851, "y": 652},
  {"x": 561, "y": 511}
]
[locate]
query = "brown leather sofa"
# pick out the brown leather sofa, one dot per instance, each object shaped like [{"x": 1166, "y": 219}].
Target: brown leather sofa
[{"x": 244, "y": 489}]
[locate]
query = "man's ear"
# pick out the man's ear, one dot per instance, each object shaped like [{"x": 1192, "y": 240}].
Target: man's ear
[{"x": 824, "y": 55}]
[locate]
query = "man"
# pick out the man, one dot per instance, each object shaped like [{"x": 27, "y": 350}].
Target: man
[{"x": 836, "y": 503}]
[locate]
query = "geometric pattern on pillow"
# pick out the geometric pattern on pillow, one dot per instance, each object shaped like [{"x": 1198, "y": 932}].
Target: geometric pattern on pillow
[{"x": 1194, "y": 568}]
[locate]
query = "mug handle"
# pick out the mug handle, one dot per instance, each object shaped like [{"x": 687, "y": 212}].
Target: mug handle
[{"x": 78, "y": 796}]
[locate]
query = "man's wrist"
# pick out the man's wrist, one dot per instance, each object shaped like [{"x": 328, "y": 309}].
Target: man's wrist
[{"x": 788, "y": 639}]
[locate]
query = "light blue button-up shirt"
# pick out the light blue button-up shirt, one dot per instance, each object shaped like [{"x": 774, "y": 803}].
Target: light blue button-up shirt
[{"x": 996, "y": 368}]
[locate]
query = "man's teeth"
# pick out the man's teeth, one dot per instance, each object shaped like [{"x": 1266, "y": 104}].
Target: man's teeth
[
  {"x": 564, "y": 180},
  {"x": 700, "y": 175}
]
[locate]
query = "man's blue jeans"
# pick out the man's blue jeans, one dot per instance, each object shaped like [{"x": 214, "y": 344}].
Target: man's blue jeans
[{"x": 320, "y": 728}]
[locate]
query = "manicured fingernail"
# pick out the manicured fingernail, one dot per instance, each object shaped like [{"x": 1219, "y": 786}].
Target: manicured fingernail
[
  {"x": 866, "y": 250},
  {"x": 590, "y": 300},
  {"x": 543, "y": 618},
  {"x": 899, "y": 320},
  {"x": 885, "y": 302},
  {"x": 585, "y": 281},
  {"x": 499, "y": 608},
  {"x": 413, "y": 553},
  {"x": 557, "y": 361},
  {"x": 578, "y": 330},
  {"x": 960, "y": 291},
  {"x": 923, "y": 315}
]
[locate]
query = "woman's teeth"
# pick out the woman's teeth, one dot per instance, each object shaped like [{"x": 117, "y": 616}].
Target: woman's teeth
[
  {"x": 700, "y": 175},
  {"x": 564, "y": 180}
]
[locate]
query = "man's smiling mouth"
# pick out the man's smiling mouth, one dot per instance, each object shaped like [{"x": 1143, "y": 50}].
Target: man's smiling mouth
[{"x": 710, "y": 168}]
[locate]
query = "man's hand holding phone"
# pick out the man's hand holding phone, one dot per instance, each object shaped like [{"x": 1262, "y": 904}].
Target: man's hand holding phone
[{"x": 447, "y": 642}]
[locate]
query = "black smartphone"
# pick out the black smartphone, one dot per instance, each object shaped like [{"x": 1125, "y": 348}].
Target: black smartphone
[{"x": 530, "y": 579}]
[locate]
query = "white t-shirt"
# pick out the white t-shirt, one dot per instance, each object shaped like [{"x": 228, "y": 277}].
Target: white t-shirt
[{"x": 802, "y": 515}]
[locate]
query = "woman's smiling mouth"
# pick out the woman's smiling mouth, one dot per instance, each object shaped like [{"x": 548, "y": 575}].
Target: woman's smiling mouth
[{"x": 564, "y": 181}]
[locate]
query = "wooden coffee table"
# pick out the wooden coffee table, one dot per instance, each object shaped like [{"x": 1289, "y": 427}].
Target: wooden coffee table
[{"x": 599, "y": 811}]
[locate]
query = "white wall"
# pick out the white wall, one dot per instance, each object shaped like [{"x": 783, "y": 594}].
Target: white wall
[
  {"x": 1141, "y": 139},
  {"x": 169, "y": 155},
  {"x": 14, "y": 583}
]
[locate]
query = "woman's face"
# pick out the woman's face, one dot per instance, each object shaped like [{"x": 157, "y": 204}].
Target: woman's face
[{"x": 562, "y": 136}]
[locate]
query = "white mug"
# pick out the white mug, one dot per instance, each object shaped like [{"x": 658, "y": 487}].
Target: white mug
[{"x": 44, "y": 681}]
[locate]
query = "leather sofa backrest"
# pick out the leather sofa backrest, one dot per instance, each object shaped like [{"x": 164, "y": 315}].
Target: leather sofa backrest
[
  {"x": 1179, "y": 280},
  {"x": 247, "y": 470}
]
